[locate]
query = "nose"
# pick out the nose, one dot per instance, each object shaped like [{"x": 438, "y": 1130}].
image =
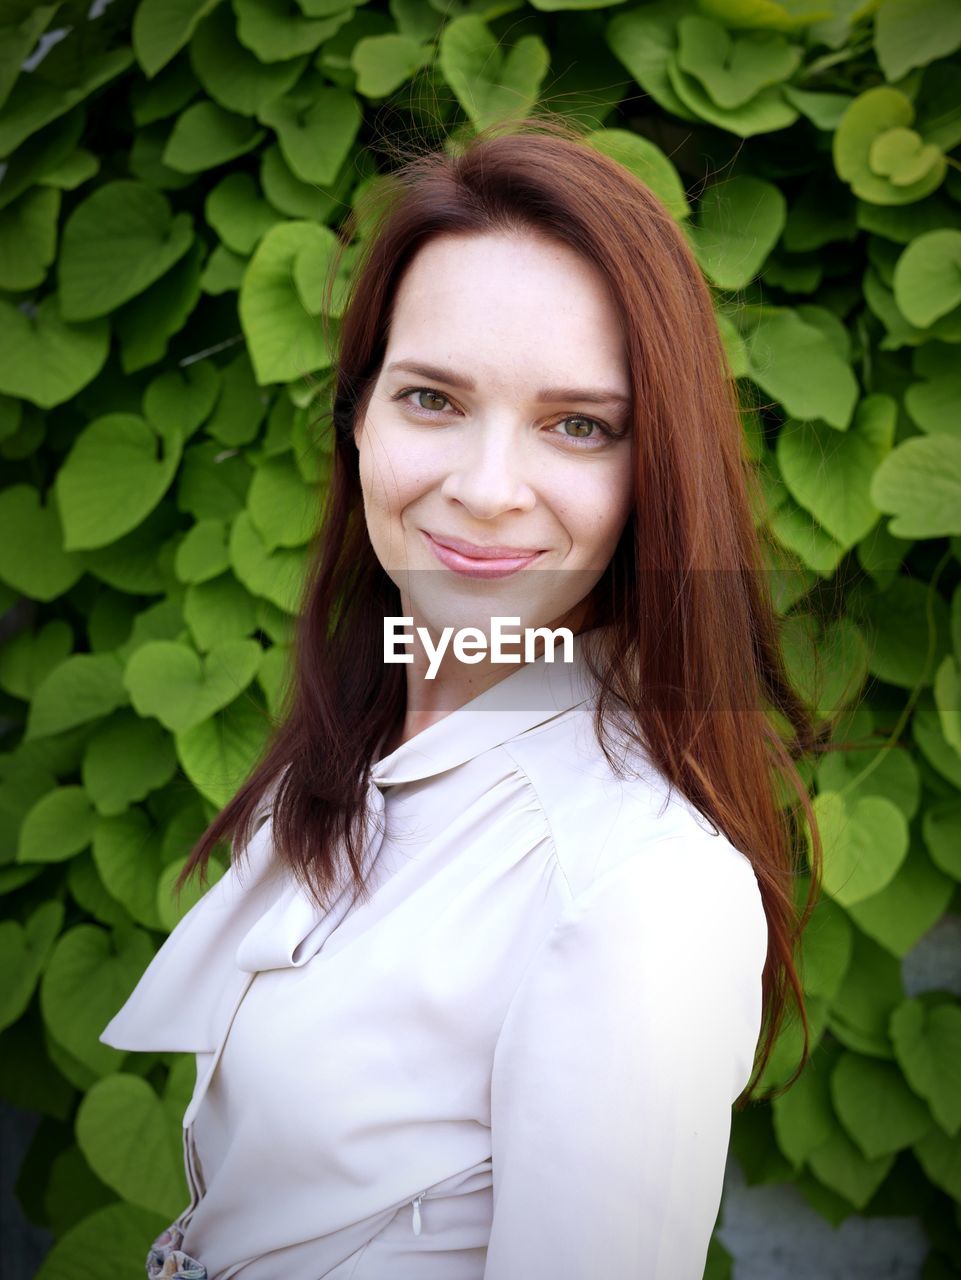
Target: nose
[{"x": 492, "y": 473}]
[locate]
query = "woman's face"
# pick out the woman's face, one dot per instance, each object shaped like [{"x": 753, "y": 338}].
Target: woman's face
[{"x": 500, "y": 422}]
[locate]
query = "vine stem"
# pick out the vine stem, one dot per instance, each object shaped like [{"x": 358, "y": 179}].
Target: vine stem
[{"x": 915, "y": 692}]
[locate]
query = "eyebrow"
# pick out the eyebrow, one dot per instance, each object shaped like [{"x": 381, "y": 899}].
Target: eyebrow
[{"x": 545, "y": 394}]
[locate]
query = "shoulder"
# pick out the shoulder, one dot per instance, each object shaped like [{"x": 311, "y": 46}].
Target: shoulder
[{"x": 602, "y": 820}]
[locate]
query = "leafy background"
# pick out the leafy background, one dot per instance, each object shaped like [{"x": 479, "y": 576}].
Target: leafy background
[{"x": 175, "y": 172}]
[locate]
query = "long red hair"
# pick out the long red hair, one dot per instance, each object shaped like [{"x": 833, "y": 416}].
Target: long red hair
[{"x": 694, "y": 659}]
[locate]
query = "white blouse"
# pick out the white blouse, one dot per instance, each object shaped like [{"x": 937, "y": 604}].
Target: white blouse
[{"x": 516, "y": 1061}]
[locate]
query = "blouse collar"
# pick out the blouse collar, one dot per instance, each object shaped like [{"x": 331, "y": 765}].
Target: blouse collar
[{"x": 528, "y": 697}]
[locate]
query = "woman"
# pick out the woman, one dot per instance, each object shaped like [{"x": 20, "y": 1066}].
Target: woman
[{"x": 478, "y": 1000}]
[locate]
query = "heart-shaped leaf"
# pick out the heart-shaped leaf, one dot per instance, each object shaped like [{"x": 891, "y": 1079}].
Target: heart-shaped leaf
[
  {"x": 830, "y": 472},
  {"x": 927, "y": 278},
  {"x": 490, "y": 84},
  {"x": 133, "y": 1143},
  {"x": 89, "y": 976},
  {"x": 32, "y": 558},
  {"x": 112, "y": 478},
  {"x": 173, "y": 683},
  {"x": 24, "y": 950},
  {"x": 116, "y": 243},
  {"x": 864, "y": 843},
  {"x": 45, "y": 360},
  {"x": 927, "y": 1042},
  {"x": 219, "y": 753}
]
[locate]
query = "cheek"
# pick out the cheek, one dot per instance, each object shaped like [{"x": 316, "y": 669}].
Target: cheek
[
  {"x": 597, "y": 509},
  {"x": 393, "y": 472}
]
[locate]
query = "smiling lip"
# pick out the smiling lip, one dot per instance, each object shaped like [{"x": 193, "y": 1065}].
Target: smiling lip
[{"x": 479, "y": 562}]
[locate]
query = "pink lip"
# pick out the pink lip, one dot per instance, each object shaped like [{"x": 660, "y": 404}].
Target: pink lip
[{"x": 479, "y": 562}]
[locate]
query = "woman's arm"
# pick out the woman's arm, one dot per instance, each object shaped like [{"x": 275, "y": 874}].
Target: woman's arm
[{"x": 630, "y": 1036}]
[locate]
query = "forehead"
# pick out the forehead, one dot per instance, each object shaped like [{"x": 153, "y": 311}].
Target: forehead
[{"x": 517, "y": 298}]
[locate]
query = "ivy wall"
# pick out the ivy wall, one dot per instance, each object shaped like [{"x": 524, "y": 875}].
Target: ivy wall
[{"x": 173, "y": 175}]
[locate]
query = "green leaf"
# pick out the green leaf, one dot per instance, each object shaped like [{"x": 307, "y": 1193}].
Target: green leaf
[
  {"x": 920, "y": 483},
  {"x": 20, "y": 28},
  {"x": 90, "y": 976},
  {"x": 275, "y": 30},
  {"x": 645, "y": 40},
  {"x": 24, "y": 950},
  {"x": 117, "y": 242},
  {"x": 899, "y": 640},
  {"x": 168, "y": 93},
  {"x": 28, "y": 239},
  {"x": 147, "y": 323},
  {"x": 906, "y": 908},
  {"x": 298, "y": 199},
  {"x": 213, "y": 482},
  {"x": 74, "y": 172},
  {"x": 646, "y": 161},
  {"x": 171, "y": 682},
  {"x": 231, "y": 74},
  {"x": 278, "y": 576},
  {"x": 932, "y": 401},
  {"x": 740, "y": 221},
  {"x": 123, "y": 762},
  {"x": 870, "y": 992},
  {"x": 489, "y": 84},
  {"x": 133, "y": 1143},
  {"x": 240, "y": 409},
  {"x": 947, "y": 696},
  {"x": 827, "y": 662},
  {"x": 130, "y": 564},
  {"x": 203, "y": 553},
  {"x": 32, "y": 557},
  {"x": 83, "y": 687},
  {"x": 283, "y": 509},
  {"x": 803, "y": 1117},
  {"x": 45, "y": 360},
  {"x": 172, "y": 909},
  {"x": 796, "y": 530},
  {"x": 828, "y": 944},
  {"x": 927, "y": 1042},
  {"x": 912, "y": 33},
  {"x": 733, "y": 70},
  {"x": 868, "y": 171},
  {"x": 796, "y": 363},
  {"x": 109, "y": 1241},
  {"x": 830, "y": 472},
  {"x": 941, "y": 825},
  {"x": 36, "y": 101},
  {"x": 865, "y": 842},
  {"x": 312, "y": 273},
  {"x": 841, "y": 1166},
  {"x": 876, "y": 1107},
  {"x": 220, "y": 609},
  {"x": 224, "y": 272},
  {"x": 178, "y": 401},
  {"x": 128, "y": 852},
  {"x": 161, "y": 28},
  {"x": 316, "y": 127},
  {"x": 875, "y": 770},
  {"x": 112, "y": 478},
  {"x": 927, "y": 278},
  {"x": 218, "y": 754},
  {"x": 59, "y": 825},
  {"x": 384, "y": 63},
  {"x": 767, "y": 112},
  {"x": 206, "y": 135},
  {"x": 29, "y": 656},
  {"x": 285, "y": 341},
  {"x": 238, "y": 214},
  {"x": 940, "y": 1157}
]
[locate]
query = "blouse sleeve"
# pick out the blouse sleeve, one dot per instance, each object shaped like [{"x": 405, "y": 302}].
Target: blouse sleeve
[{"x": 631, "y": 1034}]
